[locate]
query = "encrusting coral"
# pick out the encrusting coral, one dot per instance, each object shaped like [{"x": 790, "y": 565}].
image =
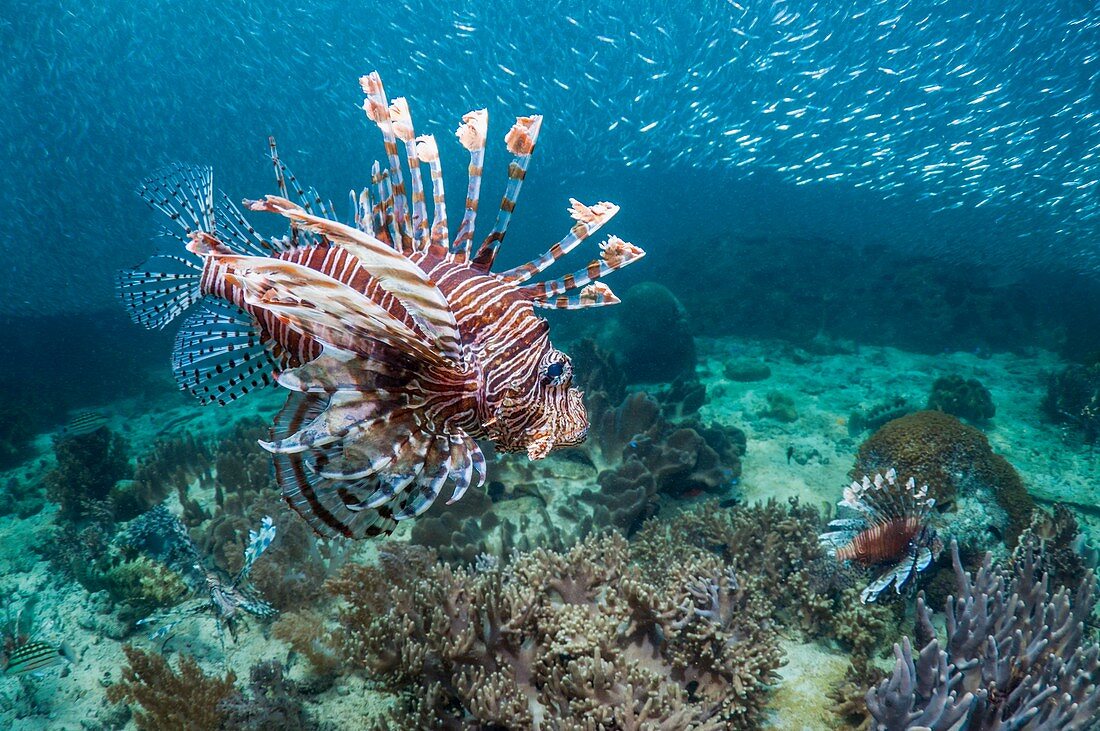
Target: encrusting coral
[
  {"x": 1015, "y": 656},
  {"x": 578, "y": 639},
  {"x": 640, "y": 456},
  {"x": 953, "y": 459}
]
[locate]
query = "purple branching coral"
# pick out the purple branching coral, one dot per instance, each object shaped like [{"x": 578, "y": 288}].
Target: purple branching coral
[
  {"x": 585, "y": 638},
  {"x": 1014, "y": 657}
]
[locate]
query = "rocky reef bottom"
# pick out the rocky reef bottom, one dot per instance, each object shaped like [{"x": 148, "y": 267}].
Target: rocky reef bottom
[{"x": 666, "y": 575}]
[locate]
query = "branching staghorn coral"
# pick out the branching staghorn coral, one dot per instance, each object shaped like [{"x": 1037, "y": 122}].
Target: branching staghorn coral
[
  {"x": 584, "y": 638},
  {"x": 1015, "y": 656}
]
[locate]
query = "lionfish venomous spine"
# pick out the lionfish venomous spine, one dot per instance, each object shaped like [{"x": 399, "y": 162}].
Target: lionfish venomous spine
[
  {"x": 399, "y": 346},
  {"x": 892, "y": 531}
]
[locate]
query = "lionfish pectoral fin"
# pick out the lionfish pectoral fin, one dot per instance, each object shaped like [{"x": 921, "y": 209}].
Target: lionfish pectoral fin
[
  {"x": 219, "y": 356},
  {"x": 395, "y": 273},
  {"x": 361, "y": 484},
  {"x": 325, "y": 309}
]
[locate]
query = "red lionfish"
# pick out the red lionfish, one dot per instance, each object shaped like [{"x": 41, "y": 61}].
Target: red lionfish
[
  {"x": 399, "y": 346},
  {"x": 893, "y": 531}
]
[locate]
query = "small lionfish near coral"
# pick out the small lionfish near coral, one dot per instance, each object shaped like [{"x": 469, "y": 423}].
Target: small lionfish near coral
[
  {"x": 20, "y": 653},
  {"x": 163, "y": 537},
  {"x": 399, "y": 346},
  {"x": 892, "y": 532}
]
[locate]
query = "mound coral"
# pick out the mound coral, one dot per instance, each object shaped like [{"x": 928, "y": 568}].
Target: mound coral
[
  {"x": 954, "y": 459},
  {"x": 965, "y": 398},
  {"x": 1015, "y": 656},
  {"x": 1073, "y": 398},
  {"x": 585, "y": 638},
  {"x": 651, "y": 336}
]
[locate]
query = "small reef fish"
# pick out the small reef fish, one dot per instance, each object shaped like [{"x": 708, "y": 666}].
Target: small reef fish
[
  {"x": 399, "y": 345},
  {"x": 86, "y": 422},
  {"x": 893, "y": 531},
  {"x": 35, "y": 656}
]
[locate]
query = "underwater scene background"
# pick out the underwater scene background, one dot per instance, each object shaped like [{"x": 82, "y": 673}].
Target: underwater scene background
[{"x": 840, "y": 467}]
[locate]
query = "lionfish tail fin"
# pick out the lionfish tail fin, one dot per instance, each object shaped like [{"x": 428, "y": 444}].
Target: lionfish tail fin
[{"x": 360, "y": 480}]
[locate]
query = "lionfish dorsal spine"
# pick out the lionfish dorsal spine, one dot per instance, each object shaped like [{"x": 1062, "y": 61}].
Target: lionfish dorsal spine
[
  {"x": 428, "y": 151},
  {"x": 520, "y": 141},
  {"x": 377, "y": 109},
  {"x": 471, "y": 134},
  {"x": 587, "y": 221},
  {"x": 614, "y": 254},
  {"x": 401, "y": 120}
]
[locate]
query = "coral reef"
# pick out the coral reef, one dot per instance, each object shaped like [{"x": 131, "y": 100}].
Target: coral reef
[
  {"x": 88, "y": 466},
  {"x": 954, "y": 459},
  {"x": 169, "y": 699},
  {"x": 1073, "y": 398},
  {"x": 650, "y": 335},
  {"x": 641, "y": 456},
  {"x": 271, "y": 702},
  {"x": 562, "y": 640},
  {"x": 965, "y": 398},
  {"x": 1015, "y": 656}
]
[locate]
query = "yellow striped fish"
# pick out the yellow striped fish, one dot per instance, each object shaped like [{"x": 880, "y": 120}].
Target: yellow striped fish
[{"x": 35, "y": 656}]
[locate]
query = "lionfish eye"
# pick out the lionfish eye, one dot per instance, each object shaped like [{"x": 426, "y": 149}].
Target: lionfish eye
[{"x": 555, "y": 371}]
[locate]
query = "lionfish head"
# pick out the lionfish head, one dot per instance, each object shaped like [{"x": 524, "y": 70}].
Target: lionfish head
[{"x": 540, "y": 409}]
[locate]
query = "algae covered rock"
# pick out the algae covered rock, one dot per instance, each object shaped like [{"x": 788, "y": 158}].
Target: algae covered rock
[
  {"x": 965, "y": 398},
  {"x": 780, "y": 408},
  {"x": 745, "y": 371},
  {"x": 954, "y": 459}
]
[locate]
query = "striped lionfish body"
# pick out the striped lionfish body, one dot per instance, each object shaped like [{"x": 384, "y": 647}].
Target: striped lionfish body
[
  {"x": 399, "y": 346},
  {"x": 892, "y": 532}
]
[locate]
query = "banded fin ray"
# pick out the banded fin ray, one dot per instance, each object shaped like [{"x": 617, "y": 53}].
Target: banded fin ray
[
  {"x": 395, "y": 273},
  {"x": 374, "y": 475},
  {"x": 219, "y": 356},
  {"x": 323, "y": 308}
]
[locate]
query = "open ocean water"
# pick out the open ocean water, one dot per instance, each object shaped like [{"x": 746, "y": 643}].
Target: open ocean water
[{"x": 316, "y": 415}]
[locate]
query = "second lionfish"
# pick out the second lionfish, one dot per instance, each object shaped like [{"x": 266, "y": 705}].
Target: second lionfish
[
  {"x": 892, "y": 533},
  {"x": 399, "y": 345}
]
